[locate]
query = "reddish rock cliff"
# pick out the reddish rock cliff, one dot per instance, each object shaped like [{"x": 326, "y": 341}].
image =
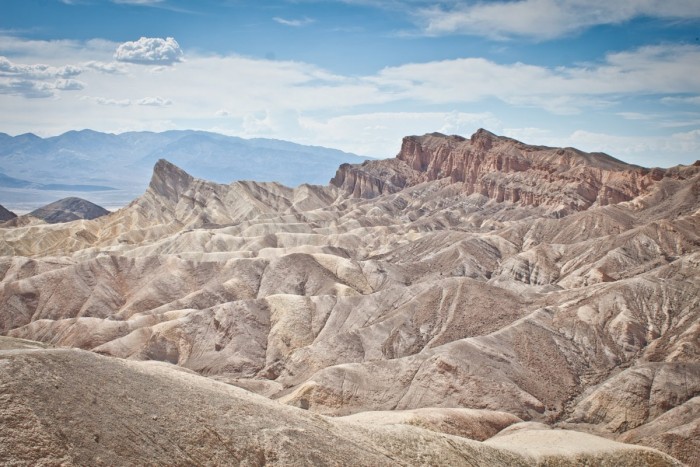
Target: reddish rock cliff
[{"x": 503, "y": 169}]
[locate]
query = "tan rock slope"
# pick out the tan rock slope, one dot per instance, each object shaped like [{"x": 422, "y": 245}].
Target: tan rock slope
[{"x": 517, "y": 282}]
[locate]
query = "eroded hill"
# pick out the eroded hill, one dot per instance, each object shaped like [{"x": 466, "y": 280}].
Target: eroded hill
[{"x": 545, "y": 284}]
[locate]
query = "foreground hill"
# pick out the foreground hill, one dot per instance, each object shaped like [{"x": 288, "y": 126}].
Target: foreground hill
[
  {"x": 542, "y": 284},
  {"x": 70, "y": 407}
]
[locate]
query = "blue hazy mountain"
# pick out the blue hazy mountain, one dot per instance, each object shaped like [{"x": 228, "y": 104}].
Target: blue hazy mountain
[
  {"x": 115, "y": 168},
  {"x": 11, "y": 182}
]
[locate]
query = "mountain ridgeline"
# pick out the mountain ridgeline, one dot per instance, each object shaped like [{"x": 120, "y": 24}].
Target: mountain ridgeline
[
  {"x": 471, "y": 300},
  {"x": 113, "y": 168}
]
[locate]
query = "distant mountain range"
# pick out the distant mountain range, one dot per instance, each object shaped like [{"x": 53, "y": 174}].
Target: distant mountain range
[
  {"x": 115, "y": 168},
  {"x": 11, "y": 182}
]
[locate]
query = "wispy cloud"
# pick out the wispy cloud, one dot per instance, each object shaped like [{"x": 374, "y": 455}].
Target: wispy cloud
[
  {"x": 105, "y": 67},
  {"x": 107, "y": 101},
  {"x": 154, "y": 101},
  {"x": 658, "y": 69},
  {"x": 649, "y": 151},
  {"x": 296, "y": 23},
  {"x": 692, "y": 100},
  {"x": 637, "y": 116},
  {"x": 544, "y": 19}
]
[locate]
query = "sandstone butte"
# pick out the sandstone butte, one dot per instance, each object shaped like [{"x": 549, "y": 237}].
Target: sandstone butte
[{"x": 473, "y": 301}]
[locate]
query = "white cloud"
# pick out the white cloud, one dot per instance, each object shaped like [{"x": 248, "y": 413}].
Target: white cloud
[
  {"x": 365, "y": 114},
  {"x": 106, "y": 101},
  {"x": 692, "y": 100},
  {"x": 545, "y": 19},
  {"x": 648, "y": 151},
  {"x": 150, "y": 51},
  {"x": 105, "y": 67},
  {"x": 37, "y": 80},
  {"x": 563, "y": 90},
  {"x": 69, "y": 85},
  {"x": 296, "y": 23},
  {"x": 637, "y": 116},
  {"x": 36, "y": 71},
  {"x": 26, "y": 88},
  {"x": 379, "y": 134},
  {"x": 154, "y": 101}
]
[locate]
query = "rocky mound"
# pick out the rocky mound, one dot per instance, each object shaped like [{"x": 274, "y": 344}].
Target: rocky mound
[
  {"x": 6, "y": 215},
  {"x": 69, "y": 209}
]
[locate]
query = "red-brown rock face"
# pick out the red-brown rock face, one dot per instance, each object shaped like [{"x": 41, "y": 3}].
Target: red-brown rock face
[{"x": 503, "y": 169}]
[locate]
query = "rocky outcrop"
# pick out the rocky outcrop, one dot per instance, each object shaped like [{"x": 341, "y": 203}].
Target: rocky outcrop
[
  {"x": 504, "y": 170},
  {"x": 169, "y": 181}
]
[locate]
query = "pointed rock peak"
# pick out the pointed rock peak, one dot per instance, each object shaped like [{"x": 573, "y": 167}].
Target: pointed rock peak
[
  {"x": 483, "y": 139},
  {"x": 483, "y": 134},
  {"x": 169, "y": 180}
]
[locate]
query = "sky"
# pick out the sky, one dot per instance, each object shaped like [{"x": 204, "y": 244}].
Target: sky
[{"x": 622, "y": 77}]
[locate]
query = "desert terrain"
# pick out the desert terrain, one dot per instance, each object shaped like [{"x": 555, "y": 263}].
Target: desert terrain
[{"x": 475, "y": 301}]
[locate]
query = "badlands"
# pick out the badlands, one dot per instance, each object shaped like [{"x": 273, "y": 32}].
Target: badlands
[{"x": 473, "y": 301}]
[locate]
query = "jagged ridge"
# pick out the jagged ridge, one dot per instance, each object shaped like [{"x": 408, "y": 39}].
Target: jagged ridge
[{"x": 502, "y": 169}]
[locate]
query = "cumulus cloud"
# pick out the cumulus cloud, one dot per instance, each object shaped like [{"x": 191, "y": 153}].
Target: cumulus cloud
[
  {"x": 36, "y": 71},
  {"x": 69, "y": 85},
  {"x": 154, "y": 101},
  {"x": 26, "y": 88},
  {"x": 545, "y": 19},
  {"x": 37, "y": 80},
  {"x": 296, "y": 23},
  {"x": 150, "y": 51}
]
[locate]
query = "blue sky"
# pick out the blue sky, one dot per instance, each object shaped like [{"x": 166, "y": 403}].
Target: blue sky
[{"x": 621, "y": 77}]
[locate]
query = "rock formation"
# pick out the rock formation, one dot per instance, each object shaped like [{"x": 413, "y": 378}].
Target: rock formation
[
  {"x": 408, "y": 285},
  {"x": 502, "y": 169}
]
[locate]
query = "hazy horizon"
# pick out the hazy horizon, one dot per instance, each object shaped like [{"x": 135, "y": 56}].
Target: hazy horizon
[{"x": 359, "y": 75}]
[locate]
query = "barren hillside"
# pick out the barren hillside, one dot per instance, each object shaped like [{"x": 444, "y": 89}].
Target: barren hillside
[{"x": 468, "y": 286}]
